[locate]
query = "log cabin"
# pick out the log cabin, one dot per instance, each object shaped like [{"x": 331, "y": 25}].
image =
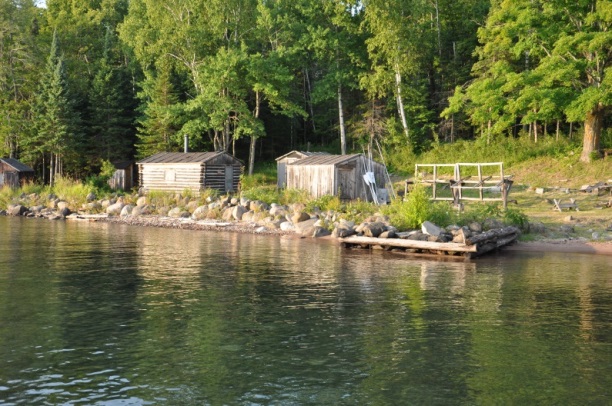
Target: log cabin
[
  {"x": 14, "y": 173},
  {"x": 195, "y": 171}
]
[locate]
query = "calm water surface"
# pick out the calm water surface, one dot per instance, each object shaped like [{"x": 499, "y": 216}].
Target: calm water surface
[{"x": 107, "y": 314}]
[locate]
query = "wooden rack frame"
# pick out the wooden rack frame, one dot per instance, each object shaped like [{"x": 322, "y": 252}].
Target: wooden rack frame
[{"x": 429, "y": 174}]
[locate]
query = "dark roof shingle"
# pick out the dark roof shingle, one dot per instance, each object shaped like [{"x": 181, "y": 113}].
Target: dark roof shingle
[{"x": 17, "y": 165}]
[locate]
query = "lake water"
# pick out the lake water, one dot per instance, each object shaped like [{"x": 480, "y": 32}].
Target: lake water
[{"x": 107, "y": 314}]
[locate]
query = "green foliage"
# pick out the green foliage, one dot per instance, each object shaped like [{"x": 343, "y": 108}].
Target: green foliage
[
  {"x": 267, "y": 194},
  {"x": 417, "y": 208},
  {"x": 74, "y": 192},
  {"x": 325, "y": 203}
]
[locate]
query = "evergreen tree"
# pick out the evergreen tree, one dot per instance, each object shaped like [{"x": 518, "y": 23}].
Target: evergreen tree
[{"x": 55, "y": 122}]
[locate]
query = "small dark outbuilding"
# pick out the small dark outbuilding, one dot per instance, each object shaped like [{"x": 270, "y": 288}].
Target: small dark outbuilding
[
  {"x": 290, "y": 157},
  {"x": 13, "y": 173},
  {"x": 338, "y": 175},
  {"x": 123, "y": 178},
  {"x": 196, "y": 171}
]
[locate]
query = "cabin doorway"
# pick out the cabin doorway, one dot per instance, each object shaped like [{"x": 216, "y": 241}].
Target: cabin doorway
[{"x": 229, "y": 177}]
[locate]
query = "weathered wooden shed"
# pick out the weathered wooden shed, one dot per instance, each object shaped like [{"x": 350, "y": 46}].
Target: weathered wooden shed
[
  {"x": 14, "y": 173},
  {"x": 123, "y": 177},
  {"x": 338, "y": 175},
  {"x": 283, "y": 161},
  {"x": 196, "y": 171}
]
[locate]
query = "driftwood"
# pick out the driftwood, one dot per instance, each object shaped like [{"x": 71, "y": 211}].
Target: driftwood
[
  {"x": 474, "y": 246},
  {"x": 495, "y": 234}
]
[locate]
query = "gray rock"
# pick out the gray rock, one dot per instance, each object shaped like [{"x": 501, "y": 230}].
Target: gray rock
[
  {"x": 16, "y": 210},
  {"x": 299, "y": 217},
  {"x": 227, "y": 214},
  {"x": 320, "y": 232},
  {"x": 430, "y": 228},
  {"x": 115, "y": 209},
  {"x": 306, "y": 228},
  {"x": 245, "y": 202},
  {"x": 91, "y": 196},
  {"x": 475, "y": 227},
  {"x": 126, "y": 210},
  {"x": 277, "y": 211},
  {"x": 142, "y": 200},
  {"x": 491, "y": 223},
  {"x": 64, "y": 212},
  {"x": 199, "y": 213},
  {"x": 258, "y": 206},
  {"x": 287, "y": 226},
  {"x": 248, "y": 216},
  {"x": 566, "y": 228},
  {"x": 175, "y": 212},
  {"x": 343, "y": 232},
  {"x": 373, "y": 229},
  {"x": 238, "y": 212},
  {"x": 388, "y": 234}
]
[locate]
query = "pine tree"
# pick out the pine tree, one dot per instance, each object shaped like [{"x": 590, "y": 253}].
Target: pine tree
[{"x": 54, "y": 120}]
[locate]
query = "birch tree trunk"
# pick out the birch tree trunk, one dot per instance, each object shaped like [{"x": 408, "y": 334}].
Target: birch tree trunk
[
  {"x": 341, "y": 122},
  {"x": 400, "y": 102},
  {"x": 253, "y": 137}
]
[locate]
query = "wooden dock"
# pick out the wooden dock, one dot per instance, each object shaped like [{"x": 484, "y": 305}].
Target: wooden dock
[{"x": 472, "y": 247}]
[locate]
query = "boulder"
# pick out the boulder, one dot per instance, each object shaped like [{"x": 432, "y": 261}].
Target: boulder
[
  {"x": 343, "y": 232},
  {"x": 126, "y": 210},
  {"x": 277, "y": 210},
  {"x": 388, "y": 234},
  {"x": 114, "y": 209},
  {"x": 491, "y": 224},
  {"x": 320, "y": 232},
  {"x": 245, "y": 202},
  {"x": 306, "y": 228},
  {"x": 373, "y": 229},
  {"x": 64, "y": 212},
  {"x": 299, "y": 217},
  {"x": 142, "y": 200},
  {"x": 258, "y": 206},
  {"x": 287, "y": 226},
  {"x": 430, "y": 228},
  {"x": 62, "y": 204},
  {"x": 227, "y": 214},
  {"x": 199, "y": 213},
  {"x": 248, "y": 216},
  {"x": 238, "y": 212},
  {"x": 475, "y": 227},
  {"x": 16, "y": 210},
  {"x": 175, "y": 212}
]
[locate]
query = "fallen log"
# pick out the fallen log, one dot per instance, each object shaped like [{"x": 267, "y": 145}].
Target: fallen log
[
  {"x": 413, "y": 244},
  {"x": 495, "y": 234}
]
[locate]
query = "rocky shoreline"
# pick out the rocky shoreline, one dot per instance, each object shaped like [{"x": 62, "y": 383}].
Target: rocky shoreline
[{"x": 232, "y": 214}]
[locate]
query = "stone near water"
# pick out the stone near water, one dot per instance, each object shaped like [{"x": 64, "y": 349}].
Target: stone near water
[
  {"x": 430, "y": 228},
  {"x": 127, "y": 210},
  {"x": 238, "y": 212},
  {"x": 299, "y": 217}
]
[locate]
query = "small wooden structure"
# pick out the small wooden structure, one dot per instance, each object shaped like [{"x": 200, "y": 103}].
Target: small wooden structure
[
  {"x": 337, "y": 175},
  {"x": 459, "y": 181},
  {"x": 123, "y": 178},
  {"x": 470, "y": 248},
  {"x": 14, "y": 173},
  {"x": 284, "y": 160},
  {"x": 196, "y": 171}
]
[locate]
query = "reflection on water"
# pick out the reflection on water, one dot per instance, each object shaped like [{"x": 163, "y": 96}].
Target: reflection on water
[{"x": 108, "y": 314}]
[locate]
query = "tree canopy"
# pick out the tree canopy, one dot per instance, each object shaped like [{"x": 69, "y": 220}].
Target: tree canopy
[{"x": 86, "y": 82}]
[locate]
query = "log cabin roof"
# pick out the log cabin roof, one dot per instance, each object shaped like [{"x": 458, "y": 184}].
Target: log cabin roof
[
  {"x": 18, "y": 166},
  {"x": 325, "y": 160},
  {"x": 301, "y": 154},
  {"x": 181, "y": 157}
]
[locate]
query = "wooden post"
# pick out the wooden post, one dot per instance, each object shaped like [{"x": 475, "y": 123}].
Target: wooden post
[
  {"x": 504, "y": 190},
  {"x": 480, "y": 181},
  {"x": 435, "y": 182}
]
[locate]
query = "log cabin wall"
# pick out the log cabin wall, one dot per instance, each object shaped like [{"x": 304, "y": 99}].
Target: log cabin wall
[{"x": 176, "y": 172}]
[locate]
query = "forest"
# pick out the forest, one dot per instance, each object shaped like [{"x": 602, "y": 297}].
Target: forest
[{"x": 84, "y": 82}]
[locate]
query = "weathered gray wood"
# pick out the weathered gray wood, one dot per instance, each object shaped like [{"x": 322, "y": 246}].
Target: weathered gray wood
[
  {"x": 400, "y": 243},
  {"x": 491, "y": 235}
]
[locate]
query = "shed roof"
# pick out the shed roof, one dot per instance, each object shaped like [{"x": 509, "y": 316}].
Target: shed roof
[
  {"x": 181, "y": 157},
  {"x": 123, "y": 164},
  {"x": 325, "y": 159},
  {"x": 17, "y": 165},
  {"x": 302, "y": 153}
]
